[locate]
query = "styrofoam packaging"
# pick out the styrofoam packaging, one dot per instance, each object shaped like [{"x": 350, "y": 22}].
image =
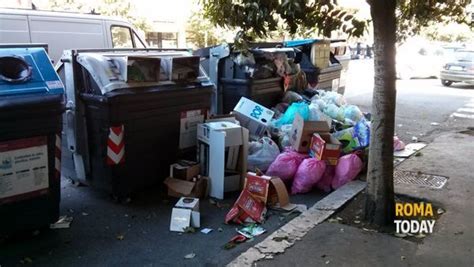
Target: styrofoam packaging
[{"x": 253, "y": 116}]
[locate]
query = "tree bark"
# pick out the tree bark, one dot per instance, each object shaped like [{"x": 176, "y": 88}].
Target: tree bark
[{"x": 380, "y": 195}]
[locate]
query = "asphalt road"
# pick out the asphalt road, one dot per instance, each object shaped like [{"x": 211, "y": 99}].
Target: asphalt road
[{"x": 420, "y": 103}]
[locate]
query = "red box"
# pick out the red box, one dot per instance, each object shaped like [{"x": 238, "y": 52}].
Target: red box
[{"x": 325, "y": 147}]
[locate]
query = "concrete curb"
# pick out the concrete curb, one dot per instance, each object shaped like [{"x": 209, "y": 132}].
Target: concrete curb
[{"x": 286, "y": 236}]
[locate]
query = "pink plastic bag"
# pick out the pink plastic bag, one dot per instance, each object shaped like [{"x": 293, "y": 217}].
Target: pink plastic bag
[
  {"x": 325, "y": 182},
  {"x": 308, "y": 174},
  {"x": 398, "y": 144},
  {"x": 347, "y": 169},
  {"x": 285, "y": 165}
]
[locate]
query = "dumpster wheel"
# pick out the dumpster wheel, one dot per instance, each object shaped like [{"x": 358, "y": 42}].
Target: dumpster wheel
[{"x": 75, "y": 183}]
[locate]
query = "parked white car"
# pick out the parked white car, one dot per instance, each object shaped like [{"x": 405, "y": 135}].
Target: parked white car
[
  {"x": 65, "y": 30},
  {"x": 418, "y": 61}
]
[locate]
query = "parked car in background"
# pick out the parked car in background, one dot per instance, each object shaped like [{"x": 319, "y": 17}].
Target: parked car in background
[
  {"x": 460, "y": 69},
  {"x": 418, "y": 61},
  {"x": 66, "y": 30}
]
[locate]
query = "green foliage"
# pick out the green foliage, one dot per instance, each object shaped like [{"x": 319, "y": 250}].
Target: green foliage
[
  {"x": 201, "y": 32},
  {"x": 415, "y": 15},
  {"x": 257, "y": 18}
]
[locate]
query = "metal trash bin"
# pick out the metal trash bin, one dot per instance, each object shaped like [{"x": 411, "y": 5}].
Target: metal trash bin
[
  {"x": 31, "y": 105},
  {"x": 125, "y": 124},
  {"x": 232, "y": 81},
  {"x": 322, "y": 69}
]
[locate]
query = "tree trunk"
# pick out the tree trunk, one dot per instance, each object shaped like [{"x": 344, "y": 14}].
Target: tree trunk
[{"x": 380, "y": 197}]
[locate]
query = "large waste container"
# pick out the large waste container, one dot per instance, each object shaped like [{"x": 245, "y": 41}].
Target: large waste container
[
  {"x": 31, "y": 104},
  {"x": 257, "y": 81},
  {"x": 321, "y": 67},
  {"x": 132, "y": 114}
]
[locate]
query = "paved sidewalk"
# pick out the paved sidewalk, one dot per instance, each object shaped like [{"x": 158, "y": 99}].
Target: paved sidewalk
[{"x": 452, "y": 243}]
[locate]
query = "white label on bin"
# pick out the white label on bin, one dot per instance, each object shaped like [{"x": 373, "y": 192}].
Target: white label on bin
[
  {"x": 54, "y": 84},
  {"x": 23, "y": 166},
  {"x": 188, "y": 127}
]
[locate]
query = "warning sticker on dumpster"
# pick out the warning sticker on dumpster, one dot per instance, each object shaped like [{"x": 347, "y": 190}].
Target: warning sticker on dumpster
[
  {"x": 23, "y": 167},
  {"x": 188, "y": 129}
]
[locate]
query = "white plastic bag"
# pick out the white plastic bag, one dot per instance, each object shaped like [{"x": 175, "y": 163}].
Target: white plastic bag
[{"x": 261, "y": 154}]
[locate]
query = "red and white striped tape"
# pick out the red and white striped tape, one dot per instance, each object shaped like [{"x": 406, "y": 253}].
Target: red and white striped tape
[
  {"x": 57, "y": 156},
  {"x": 116, "y": 146}
]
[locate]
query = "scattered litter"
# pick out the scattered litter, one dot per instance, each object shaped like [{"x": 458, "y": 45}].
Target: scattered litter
[
  {"x": 440, "y": 211},
  {"x": 62, "y": 223},
  {"x": 120, "y": 237},
  {"x": 189, "y": 229},
  {"x": 327, "y": 262},
  {"x": 414, "y": 139},
  {"x": 341, "y": 230},
  {"x": 434, "y": 123},
  {"x": 418, "y": 154},
  {"x": 420, "y": 235},
  {"x": 190, "y": 256},
  {"x": 369, "y": 230},
  {"x": 85, "y": 214},
  {"x": 356, "y": 221},
  {"x": 251, "y": 231},
  {"x": 409, "y": 150},
  {"x": 459, "y": 233},
  {"x": 280, "y": 238},
  {"x": 206, "y": 230},
  {"x": 220, "y": 229},
  {"x": 234, "y": 241},
  {"x": 332, "y": 220},
  {"x": 400, "y": 235},
  {"x": 402, "y": 258},
  {"x": 399, "y": 125}
]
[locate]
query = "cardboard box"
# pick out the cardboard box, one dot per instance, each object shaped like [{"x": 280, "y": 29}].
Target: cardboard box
[
  {"x": 183, "y": 188},
  {"x": 302, "y": 132},
  {"x": 278, "y": 197},
  {"x": 258, "y": 186},
  {"x": 185, "y": 214},
  {"x": 253, "y": 116},
  {"x": 188, "y": 126},
  {"x": 185, "y": 170},
  {"x": 325, "y": 147},
  {"x": 270, "y": 190}
]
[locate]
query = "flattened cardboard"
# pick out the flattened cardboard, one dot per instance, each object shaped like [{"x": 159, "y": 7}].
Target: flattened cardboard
[
  {"x": 302, "y": 131},
  {"x": 278, "y": 195}
]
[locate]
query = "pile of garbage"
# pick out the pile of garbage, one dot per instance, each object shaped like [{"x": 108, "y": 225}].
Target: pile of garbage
[{"x": 315, "y": 140}]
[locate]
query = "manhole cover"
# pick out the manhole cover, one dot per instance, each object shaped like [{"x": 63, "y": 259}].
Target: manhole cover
[{"x": 421, "y": 179}]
